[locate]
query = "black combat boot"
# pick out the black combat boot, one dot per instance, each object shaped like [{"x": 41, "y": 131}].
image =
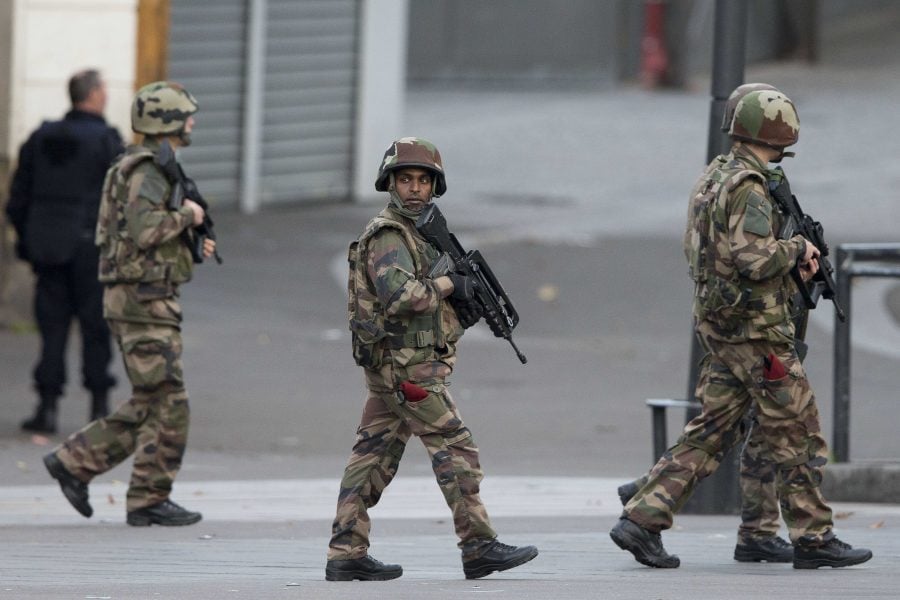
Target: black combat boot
[
  {"x": 773, "y": 549},
  {"x": 363, "y": 569},
  {"x": 165, "y": 513},
  {"x": 627, "y": 491},
  {"x": 833, "y": 553},
  {"x": 498, "y": 557},
  {"x": 99, "y": 404},
  {"x": 645, "y": 545},
  {"x": 44, "y": 419},
  {"x": 75, "y": 490}
]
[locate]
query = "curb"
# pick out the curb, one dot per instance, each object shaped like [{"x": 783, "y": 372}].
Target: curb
[{"x": 862, "y": 482}]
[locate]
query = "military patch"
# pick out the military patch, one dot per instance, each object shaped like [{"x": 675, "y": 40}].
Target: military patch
[{"x": 758, "y": 218}]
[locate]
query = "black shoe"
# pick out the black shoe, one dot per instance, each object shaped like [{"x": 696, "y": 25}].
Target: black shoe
[
  {"x": 834, "y": 553},
  {"x": 43, "y": 421},
  {"x": 645, "y": 545},
  {"x": 363, "y": 569},
  {"x": 75, "y": 490},
  {"x": 99, "y": 405},
  {"x": 165, "y": 513},
  {"x": 498, "y": 557},
  {"x": 771, "y": 549},
  {"x": 627, "y": 492}
]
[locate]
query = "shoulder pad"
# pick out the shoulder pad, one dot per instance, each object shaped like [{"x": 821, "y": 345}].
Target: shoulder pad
[
  {"x": 154, "y": 186},
  {"x": 134, "y": 155},
  {"x": 736, "y": 179}
]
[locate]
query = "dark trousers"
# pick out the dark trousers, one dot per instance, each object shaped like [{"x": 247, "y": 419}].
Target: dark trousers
[{"x": 64, "y": 292}]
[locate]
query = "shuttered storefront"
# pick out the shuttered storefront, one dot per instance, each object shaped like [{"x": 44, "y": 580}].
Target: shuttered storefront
[
  {"x": 308, "y": 96},
  {"x": 206, "y": 54}
]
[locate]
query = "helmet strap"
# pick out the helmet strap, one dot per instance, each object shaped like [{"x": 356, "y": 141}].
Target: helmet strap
[
  {"x": 184, "y": 137},
  {"x": 397, "y": 202}
]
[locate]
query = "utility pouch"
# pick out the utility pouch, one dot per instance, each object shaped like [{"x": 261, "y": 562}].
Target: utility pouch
[
  {"x": 365, "y": 333},
  {"x": 721, "y": 299}
]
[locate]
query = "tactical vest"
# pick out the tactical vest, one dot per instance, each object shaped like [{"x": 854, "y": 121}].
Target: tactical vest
[
  {"x": 721, "y": 294},
  {"x": 371, "y": 331},
  {"x": 121, "y": 260}
]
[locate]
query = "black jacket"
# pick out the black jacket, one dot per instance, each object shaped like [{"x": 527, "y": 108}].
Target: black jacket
[{"x": 55, "y": 192}]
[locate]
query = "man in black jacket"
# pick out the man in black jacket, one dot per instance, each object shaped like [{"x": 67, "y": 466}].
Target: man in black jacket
[{"x": 53, "y": 203}]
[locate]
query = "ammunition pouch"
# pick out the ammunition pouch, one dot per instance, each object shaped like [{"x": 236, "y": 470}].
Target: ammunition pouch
[
  {"x": 366, "y": 338},
  {"x": 720, "y": 301}
]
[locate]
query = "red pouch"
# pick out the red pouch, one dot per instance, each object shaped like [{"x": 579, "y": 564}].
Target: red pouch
[
  {"x": 413, "y": 392},
  {"x": 774, "y": 368}
]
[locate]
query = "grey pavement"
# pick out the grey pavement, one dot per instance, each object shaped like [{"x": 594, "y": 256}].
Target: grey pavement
[{"x": 577, "y": 200}]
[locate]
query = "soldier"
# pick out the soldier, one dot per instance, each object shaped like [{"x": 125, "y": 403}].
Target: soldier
[
  {"x": 53, "y": 202},
  {"x": 757, "y": 538},
  {"x": 743, "y": 319},
  {"x": 405, "y": 328},
  {"x": 144, "y": 258}
]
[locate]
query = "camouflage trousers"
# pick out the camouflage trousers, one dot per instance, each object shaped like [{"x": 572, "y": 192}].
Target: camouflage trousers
[
  {"x": 152, "y": 425},
  {"x": 386, "y": 426},
  {"x": 760, "y": 512},
  {"x": 732, "y": 381}
]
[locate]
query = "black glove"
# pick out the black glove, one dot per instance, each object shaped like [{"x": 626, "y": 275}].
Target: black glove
[
  {"x": 468, "y": 313},
  {"x": 463, "y": 287}
]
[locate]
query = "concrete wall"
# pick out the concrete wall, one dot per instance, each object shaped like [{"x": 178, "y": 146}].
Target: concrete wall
[
  {"x": 6, "y": 14},
  {"x": 381, "y": 89},
  {"x": 504, "y": 42},
  {"x": 507, "y": 41},
  {"x": 84, "y": 33}
]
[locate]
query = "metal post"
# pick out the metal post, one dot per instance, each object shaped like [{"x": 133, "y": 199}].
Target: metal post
[
  {"x": 251, "y": 145},
  {"x": 719, "y": 494},
  {"x": 841, "y": 426},
  {"x": 659, "y": 430},
  {"x": 729, "y": 50}
]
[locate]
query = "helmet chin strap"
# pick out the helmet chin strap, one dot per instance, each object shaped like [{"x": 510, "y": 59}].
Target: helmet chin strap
[
  {"x": 783, "y": 155},
  {"x": 184, "y": 137},
  {"x": 397, "y": 202}
]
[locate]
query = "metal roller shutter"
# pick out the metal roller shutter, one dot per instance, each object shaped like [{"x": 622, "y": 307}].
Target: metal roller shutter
[
  {"x": 206, "y": 54},
  {"x": 309, "y": 95},
  {"x": 310, "y": 98}
]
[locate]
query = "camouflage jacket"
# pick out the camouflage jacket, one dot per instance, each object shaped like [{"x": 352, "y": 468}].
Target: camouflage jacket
[
  {"x": 740, "y": 268},
  {"x": 142, "y": 256},
  {"x": 415, "y": 328}
]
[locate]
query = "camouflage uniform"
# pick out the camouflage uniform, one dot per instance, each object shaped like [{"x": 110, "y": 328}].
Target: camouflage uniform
[
  {"x": 743, "y": 316},
  {"x": 420, "y": 348},
  {"x": 404, "y": 335},
  {"x": 143, "y": 261},
  {"x": 759, "y": 498}
]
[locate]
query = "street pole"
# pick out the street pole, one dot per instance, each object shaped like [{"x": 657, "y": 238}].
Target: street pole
[{"x": 719, "y": 493}]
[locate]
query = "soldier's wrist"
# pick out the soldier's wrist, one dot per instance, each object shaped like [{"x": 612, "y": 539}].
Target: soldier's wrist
[{"x": 443, "y": 285}]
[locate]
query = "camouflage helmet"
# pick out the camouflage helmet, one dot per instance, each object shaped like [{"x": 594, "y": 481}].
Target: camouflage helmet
[
  {"x": 766, "y": 117},
  {"x": 161, "y": 108},
  {"x": 412, "y": 152},
  {"x": 736, "y": 96}
]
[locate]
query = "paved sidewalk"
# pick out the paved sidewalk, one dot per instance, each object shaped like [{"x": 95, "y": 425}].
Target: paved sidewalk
[{"x": 267, "y": 539}]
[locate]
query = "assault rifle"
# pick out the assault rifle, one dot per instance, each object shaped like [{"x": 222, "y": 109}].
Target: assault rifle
[
  {"x": 797, "y": 222},
  {"x": 499, "y": 312},
  {"x": 184, "y": 187}
]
